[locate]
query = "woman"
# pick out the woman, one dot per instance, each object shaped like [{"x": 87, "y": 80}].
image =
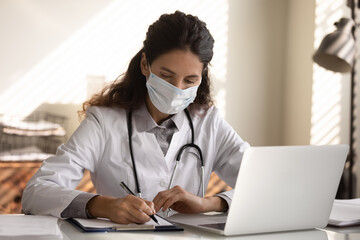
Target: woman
[{"x": 133, "y": 131}]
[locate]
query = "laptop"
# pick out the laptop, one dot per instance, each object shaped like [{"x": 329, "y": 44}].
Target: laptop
[{"x": 278, "y": 189}]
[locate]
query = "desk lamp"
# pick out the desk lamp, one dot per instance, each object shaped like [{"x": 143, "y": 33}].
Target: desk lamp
[{"x": 337, "y": 53}]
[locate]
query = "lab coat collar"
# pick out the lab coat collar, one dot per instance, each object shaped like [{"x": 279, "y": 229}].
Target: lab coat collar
[{"x": 145, "y": 123}]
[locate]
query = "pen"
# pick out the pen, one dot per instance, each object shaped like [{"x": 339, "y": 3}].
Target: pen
[{"x": 123, "y": 185}]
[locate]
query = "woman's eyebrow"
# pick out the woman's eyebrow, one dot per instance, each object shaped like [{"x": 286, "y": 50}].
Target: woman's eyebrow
[{"x": 168, "y": 70}]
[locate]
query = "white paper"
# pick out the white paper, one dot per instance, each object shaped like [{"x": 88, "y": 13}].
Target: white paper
[
  {"x": 105, "y": 223},
  {"x": 345, "y": 212},
  {"x": 29, "y": 225}
]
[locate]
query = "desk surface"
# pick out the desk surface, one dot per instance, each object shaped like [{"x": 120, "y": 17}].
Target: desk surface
[{"x": 71, "y": 233}]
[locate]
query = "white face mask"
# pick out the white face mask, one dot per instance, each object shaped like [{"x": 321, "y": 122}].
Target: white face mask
[{"x": 166, "y": 97}]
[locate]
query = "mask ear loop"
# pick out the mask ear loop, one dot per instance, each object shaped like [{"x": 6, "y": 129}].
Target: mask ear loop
[{"x": 149, "y": 69}]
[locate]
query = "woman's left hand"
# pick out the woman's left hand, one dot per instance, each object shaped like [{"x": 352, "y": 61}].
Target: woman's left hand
[{"x": 182, "y": 201}]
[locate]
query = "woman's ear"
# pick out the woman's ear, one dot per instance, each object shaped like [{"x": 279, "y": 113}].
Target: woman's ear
[{"x": 144, "y": 65}]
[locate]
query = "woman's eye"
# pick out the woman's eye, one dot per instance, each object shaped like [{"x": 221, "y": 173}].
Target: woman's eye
[
  {"x": 165, "y": 76},
  {"x": 190, "y": 82}
]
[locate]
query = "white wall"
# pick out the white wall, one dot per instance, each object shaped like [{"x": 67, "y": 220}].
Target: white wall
[
  {"x": 298, "y": 72},
  {"x": 271, "y": 70},
  {"x": 257, "y": 36}
]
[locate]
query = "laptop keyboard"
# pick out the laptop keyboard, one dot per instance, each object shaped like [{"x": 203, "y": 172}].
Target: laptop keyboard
[{"x": 220, "y": 226}]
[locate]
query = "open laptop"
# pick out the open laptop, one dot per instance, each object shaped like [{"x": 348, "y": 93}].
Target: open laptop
[{"x": 279, "y": 189}]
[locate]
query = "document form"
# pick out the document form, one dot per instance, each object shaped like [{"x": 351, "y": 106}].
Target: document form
[{"x": 12, "y": 225}]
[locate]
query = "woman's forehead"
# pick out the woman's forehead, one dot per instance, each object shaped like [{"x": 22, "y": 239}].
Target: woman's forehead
[{"x": 179, "y": 60}]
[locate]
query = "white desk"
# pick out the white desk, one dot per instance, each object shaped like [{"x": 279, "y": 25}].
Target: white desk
[{"x": 72, "y": 233}]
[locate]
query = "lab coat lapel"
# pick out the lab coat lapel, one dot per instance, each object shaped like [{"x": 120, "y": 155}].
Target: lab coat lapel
[
  {"x": 178, "y": 139},
  {"x": 150, "y": 164},
  {"x": 188, "y": 172},
  {"x": 148, "y": 153}
]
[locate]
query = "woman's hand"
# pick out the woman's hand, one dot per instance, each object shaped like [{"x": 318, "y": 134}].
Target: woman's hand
[
  {"x": 182, "y": 201},
  {"x": 129, "y": 209}
]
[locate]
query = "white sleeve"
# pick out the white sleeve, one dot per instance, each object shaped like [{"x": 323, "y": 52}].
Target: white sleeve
[
  {"x": 52, "y": 188},
  {"x": 230, "y": 151}
]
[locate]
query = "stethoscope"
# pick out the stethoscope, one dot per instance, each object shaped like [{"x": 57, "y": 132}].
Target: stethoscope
[{"x": 178, "y": 156}]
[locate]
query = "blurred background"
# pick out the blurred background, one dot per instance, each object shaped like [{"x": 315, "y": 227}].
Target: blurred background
[{"x": 55, "y": 54}]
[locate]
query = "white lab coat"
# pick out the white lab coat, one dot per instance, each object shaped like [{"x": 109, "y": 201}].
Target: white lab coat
[{"x": 100, "y": 144}]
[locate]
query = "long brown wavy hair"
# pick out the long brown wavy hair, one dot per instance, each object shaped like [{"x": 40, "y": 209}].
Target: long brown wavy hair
[{"x": 169, "y": 32}]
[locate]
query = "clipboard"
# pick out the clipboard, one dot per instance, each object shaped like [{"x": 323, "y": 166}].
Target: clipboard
[{"x": 105, "y": 225}]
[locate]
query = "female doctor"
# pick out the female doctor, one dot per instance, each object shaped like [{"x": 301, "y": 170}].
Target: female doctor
[{"x": 155, "y": 129}]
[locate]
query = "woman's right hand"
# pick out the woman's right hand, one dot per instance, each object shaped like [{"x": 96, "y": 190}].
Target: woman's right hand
[{"x": 129, "y": 209}]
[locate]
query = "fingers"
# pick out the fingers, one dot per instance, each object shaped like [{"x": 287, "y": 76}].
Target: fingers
[
  {"x": 160, "y": 199},
  {"x": 137, "y": 216},
  {"x": 141, "y": 205},
  {"x": 179, "y": 200},
  {"x": 166, "y": 199},
  {"x": 131, "y": 209},
  {"x": 152, "y": 206}
]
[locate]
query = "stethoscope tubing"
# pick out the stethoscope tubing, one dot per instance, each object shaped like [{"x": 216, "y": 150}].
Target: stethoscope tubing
[{"x": 132, "y": 154}]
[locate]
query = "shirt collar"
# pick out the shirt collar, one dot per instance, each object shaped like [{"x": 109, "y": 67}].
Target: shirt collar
[{"x": 145, "y": 123}]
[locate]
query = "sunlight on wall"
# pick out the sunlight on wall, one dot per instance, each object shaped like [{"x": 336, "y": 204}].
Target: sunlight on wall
[
  {"x": 326, "y": 107},
  {"x": 328, "y": 87},
  {"x": 103, "y": 47}
]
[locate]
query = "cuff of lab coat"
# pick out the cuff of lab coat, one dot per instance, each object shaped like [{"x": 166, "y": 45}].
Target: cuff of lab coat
[
  {"x": 227, "y": 196},
  {"x": 77, "y": 207}
]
